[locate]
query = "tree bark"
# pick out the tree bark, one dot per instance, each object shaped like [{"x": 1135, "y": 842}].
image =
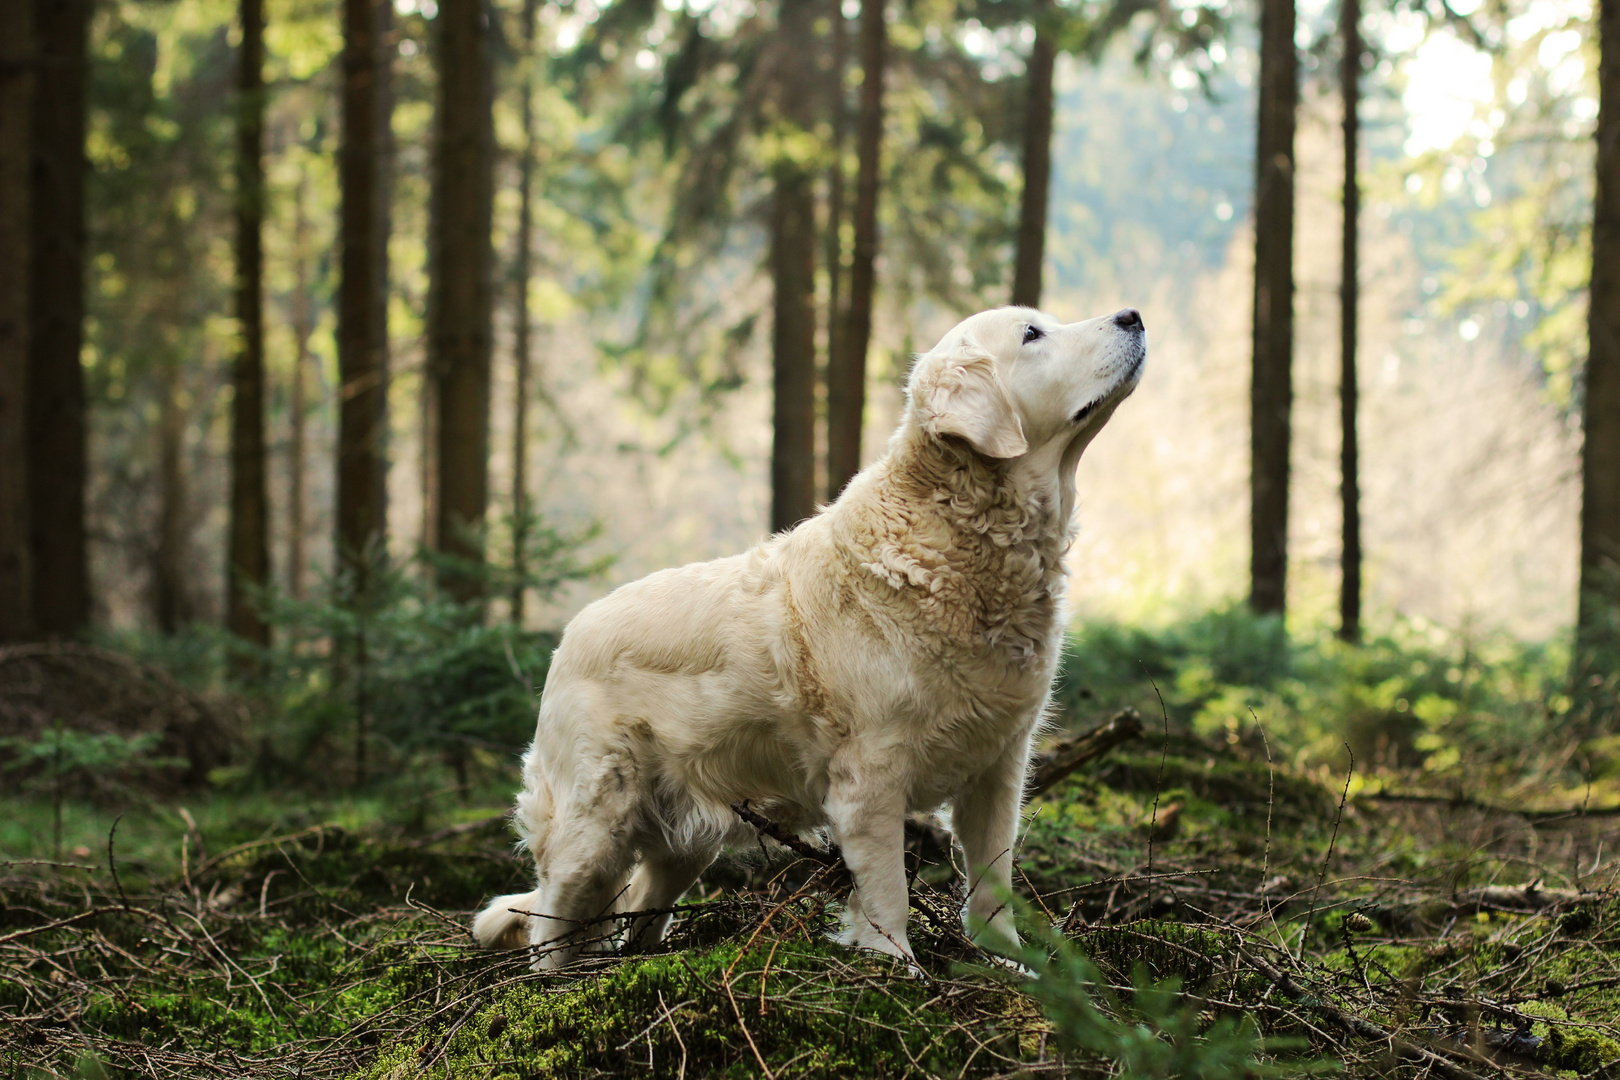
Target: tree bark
[
  {"x": 248, "y": 549},
  {"x": 1271, "y": 391},
  {"x": 1598, "y": 618},
  {"x": 792, "y": 260},
  {"x": 1031, "y": 257},
  {"x": 16, "y": 121},
  {"x": 520, "y": 350},
  {"x": 833, "y": 239},
  {"x": 362, "y": 493},
  {"x": 1349, "y": 314},
  {"x": 171, "y": 594},
  {"x": 58, "y": 431},
  {"x": 846, "y": 375},
  {"x": 459, "y": 336},
  {"x": 303, "y": 319}
]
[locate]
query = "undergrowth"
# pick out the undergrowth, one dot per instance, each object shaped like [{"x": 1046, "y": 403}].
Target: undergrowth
[{"x": 1223, "y": 897}]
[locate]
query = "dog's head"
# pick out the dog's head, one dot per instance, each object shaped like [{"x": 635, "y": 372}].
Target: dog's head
[{"x": 1013, "y": 380}]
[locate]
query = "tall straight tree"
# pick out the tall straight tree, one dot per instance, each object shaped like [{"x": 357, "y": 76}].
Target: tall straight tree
[
  {"x": 1037, "y": 158},
  {"x": 461, "y": 307},
  {"x": 793, "y": 271},
  {"x": 58, "y": 431},
  {"x": 846, "y": 368},
  {"x": 1271, "y": 391},
  {"x": 1598, "y": 617},
  {"x": 362, "y": 316},
  {"x": 837, "y": 198},
  {"x": 16, "y": 123},
  {"x": 522, "y": 271},
  {"x": 303, "y": 325},
  {"x": 248, "y": 550},
  {"x": 1349, "y": 313}
]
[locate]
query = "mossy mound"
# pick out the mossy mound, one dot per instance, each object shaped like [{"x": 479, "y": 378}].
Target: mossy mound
[
  {"x": 802, "y": 1008},
  {"x": 330, "y": 865}
]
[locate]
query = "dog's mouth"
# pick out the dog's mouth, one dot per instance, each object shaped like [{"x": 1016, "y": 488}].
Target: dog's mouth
[{"x": 1117, "y": 392}]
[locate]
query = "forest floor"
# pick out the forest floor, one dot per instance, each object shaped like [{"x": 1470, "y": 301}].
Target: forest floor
[{"x": 1373, "y": 932}]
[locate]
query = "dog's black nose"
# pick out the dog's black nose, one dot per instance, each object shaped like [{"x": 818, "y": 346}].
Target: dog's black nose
[{"x": 1129, "y": 319}]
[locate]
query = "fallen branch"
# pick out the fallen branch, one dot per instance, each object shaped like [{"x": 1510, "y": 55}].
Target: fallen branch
[
  {"x": 1527, "y": 897},
  {"x": 26, "y": 931},
  {"x": 833, "y": 858},
  {"x": 482, "y": 824},
  {"x": 1066, "y": 757},
  {"x": 1465, "y": 802},
  {"x": 1359, "y": 1027}
]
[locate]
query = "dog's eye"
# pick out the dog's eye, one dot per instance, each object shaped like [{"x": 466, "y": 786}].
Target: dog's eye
[{"x": 1033, "y": 333}]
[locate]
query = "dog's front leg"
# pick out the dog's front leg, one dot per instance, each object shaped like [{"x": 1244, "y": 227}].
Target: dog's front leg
[
  {"x": 868, "y": 820},
  {"x": 985, "y": 820}
]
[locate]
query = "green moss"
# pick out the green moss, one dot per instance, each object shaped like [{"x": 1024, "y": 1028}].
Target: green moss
[
  {"x": 1580, "y": 1049},
  {"x": 807, "y": 1008}
]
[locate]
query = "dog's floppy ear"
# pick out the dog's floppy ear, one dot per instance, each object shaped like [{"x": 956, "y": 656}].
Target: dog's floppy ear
[{"x": 958, "y": 391}]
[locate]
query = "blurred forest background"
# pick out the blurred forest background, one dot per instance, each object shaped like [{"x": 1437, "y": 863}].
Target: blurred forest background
[{"x": 342, "y": 337}]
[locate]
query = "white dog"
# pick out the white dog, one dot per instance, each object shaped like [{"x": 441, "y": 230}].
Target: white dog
[{"x": 892, "y": 653}]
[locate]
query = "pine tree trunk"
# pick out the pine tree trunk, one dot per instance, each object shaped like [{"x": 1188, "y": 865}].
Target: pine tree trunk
[
  {"x": 171, "y": 594},
  {"x": 459, "y": 333},
  {"x": 58, "y": 428},
  {"x": 248, "y": 549},
  {"x": 428, "y": 437},
  {"x": 846, "y": 376},
  {"x": 520, "y": 350},
  {"x": 303, "y": 319},
  {"x": 362, "y": 494},
  {"x": 1349, "y": 313},
  {"x": 793, "y": 275},
  {"x": 1031, "y": 257},
  {"x": 16, "y": 122},
  {"x": 1598, "y": 618},
  {"x": 1271, "y": 391},
  {"x": 833, "y": 238}
]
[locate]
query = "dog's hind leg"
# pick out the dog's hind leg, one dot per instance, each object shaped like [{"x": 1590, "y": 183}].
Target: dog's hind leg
[
  {"x": 587, "y": 861},
  {"x": 661, "y": 880}
]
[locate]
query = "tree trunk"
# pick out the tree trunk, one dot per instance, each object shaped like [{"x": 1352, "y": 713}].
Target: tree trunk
[
  {"x": 1031, "y": 256},
  {"x": 1271, "y": 392},
  {"x": 303, "y": 319},
  {"x": 520, "y": 351},
  {"x": 1598, "y": 619},
  {"x": 846, "y": 375},
  {"x": 58, "y": 431},
  {"x": 1349, "y": 313},
  {"x": 248, "y": 569},
  {"x": 171, "y": 594},
  {"x": 459, "y": 334},
  {"x": 833, "y": 238},
  {"x": 362, "y": 493},
  {"x": 16, "y": 121},
  {"x": 428, "y": 459},
  {"x": 793, "y": 276}
]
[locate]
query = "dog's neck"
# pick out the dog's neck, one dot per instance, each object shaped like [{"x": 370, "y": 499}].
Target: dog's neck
[{"x": 982, "y": 539}]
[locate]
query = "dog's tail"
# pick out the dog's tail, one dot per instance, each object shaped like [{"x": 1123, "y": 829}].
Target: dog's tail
[{"x": 498, "y": 926}]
